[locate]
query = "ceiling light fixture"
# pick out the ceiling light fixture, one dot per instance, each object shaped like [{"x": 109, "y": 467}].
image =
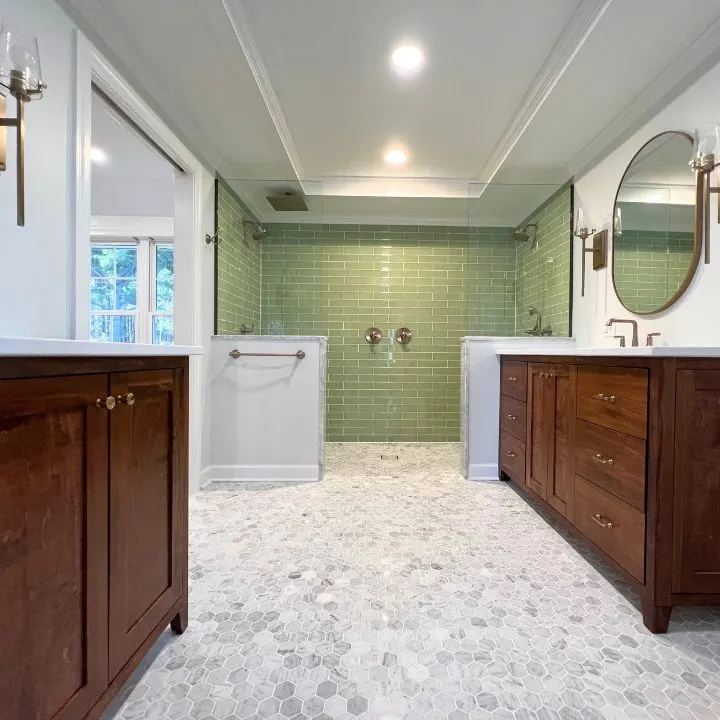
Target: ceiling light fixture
[
  {"x": 396, "y": 156},
  {"x": 407, "y": 59},
  {"x": 98, "y": 156}
]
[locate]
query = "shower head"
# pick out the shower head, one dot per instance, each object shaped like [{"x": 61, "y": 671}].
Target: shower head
[
  {"x": 258, "y": 230},
  {"x": 528, "y": 232}
]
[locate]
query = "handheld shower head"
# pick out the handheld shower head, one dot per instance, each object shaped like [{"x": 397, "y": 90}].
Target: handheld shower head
[{"x": 525, "y": 233}]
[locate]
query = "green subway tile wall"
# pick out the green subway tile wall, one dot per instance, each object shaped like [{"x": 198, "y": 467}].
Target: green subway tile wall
[
  {"x": 543, "y": 270},
  {"x": 239, "y": 266},
  {"x": 442, "y": 283},
  {"x": 650, "y": 266}
]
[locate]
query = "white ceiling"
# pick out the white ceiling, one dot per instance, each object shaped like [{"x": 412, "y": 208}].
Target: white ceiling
[
  {"x": 273, "y": 93},
  {"x": 134, "y": 179}
]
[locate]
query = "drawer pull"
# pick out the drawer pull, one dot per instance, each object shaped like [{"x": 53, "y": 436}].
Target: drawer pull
[
  {"x": 605, "y": 398},
  {"x": 511, "y": 417},
  {"x": 512, "y": 378},
  {"x": 602, "y": 459},
  {"x": 129, "y": 399},
  {"x": 511, "y": 453},
  {"x": 602, "y": 522}
]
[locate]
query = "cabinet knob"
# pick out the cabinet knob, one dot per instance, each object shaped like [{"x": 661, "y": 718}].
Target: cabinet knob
[
  {"x": 603, "y": 460},
  {"x": 512, "y": 378},
  {"x": 512, "y": 417},
  {"x": 511, "y": 453},
  {"x": 128, "y": 399},
  {"x": 108, "y": 403}
]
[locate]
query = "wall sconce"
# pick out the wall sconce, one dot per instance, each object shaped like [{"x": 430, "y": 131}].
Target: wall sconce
[
  {"x": 598, "y": 248},
  {"x": 21, "y": 77},
  {"x": 704, "y": 161}
]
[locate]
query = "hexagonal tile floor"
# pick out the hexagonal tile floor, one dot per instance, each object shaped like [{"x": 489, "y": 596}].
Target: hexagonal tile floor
[{"x": 395, "y": 589}]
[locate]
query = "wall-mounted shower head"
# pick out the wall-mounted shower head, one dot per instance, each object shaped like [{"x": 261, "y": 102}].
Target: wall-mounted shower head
[
  {"x": 525, "y": 233},
  {"x": 258, "y": 230}
]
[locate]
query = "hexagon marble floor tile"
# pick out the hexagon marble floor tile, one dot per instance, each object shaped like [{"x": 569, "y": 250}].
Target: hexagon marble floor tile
[{"x": 396, "y": 589}]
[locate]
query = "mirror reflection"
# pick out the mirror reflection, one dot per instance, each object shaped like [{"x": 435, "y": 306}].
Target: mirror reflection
[{"x": 655, "y": 251}]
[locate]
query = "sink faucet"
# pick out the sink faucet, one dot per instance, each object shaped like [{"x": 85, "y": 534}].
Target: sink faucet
[
  {"x": 537, "y": 330},
  {"x": 620, "y": 321}
]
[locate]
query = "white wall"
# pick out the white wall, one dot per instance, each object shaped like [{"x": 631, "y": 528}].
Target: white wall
[
  {"x": 689, "y": 321},
  {"x": 268, "y": 412},
  {"x": 36, "y": 261}
]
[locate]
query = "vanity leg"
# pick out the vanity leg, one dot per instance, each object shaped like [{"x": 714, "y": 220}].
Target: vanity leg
[
  {"x": 180, "y": 622},
  {"x": 656, "y": 617}
]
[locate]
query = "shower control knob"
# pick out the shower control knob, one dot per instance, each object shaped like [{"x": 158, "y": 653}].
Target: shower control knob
[
  {"x": 404, "y": 335},
  {"x": 373, "y": 335}
]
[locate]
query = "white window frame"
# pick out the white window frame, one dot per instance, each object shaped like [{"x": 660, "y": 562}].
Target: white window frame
[{"x": 146, "y": 291}]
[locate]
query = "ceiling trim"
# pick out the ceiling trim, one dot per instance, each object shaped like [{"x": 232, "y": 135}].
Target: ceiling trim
[
  {"x": 667, "y": 85},
  {"x": 572, "y": 38},
  {"x": 262, "y": 80}
]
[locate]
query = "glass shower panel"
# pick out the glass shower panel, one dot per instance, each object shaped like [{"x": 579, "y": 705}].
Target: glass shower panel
[{"x": 520, "y": 259}]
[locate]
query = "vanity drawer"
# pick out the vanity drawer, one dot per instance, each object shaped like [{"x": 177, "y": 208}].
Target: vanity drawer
[
  {"x": 614, "y": 461},
  {"x": 611, "y": 524},
  {"x": 513, "y": 417},
  {"x": 513, "y": 379},
  {"x": 615, "y": 398},
  {"x": 512, "y": 457}
]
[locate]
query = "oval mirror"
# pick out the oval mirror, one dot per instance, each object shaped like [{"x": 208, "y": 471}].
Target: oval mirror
[{"x": 655, "y": 248}]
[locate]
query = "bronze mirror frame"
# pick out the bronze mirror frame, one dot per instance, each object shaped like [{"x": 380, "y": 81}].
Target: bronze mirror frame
[{"x": 697, "y": 246}]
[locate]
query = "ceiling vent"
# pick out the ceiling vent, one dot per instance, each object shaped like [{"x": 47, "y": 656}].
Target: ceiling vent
[{"x": 288, "y": 202}]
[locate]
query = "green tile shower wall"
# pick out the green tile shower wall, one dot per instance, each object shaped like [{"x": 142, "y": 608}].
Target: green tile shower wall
[
  {"x": 239, "y": 266},
  {"x": 650, "y": 266},
  {"x": 443, "y": 283},
  {"x": 543, "y": 269}
]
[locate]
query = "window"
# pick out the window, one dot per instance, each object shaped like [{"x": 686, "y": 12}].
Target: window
[{"x": 131, "y": 291}]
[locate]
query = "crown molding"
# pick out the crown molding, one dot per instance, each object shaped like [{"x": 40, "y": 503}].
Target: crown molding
[
  {"x": 242, "y": 31},
  {"x": 572, "y": 38},
  {"x": 667, "y": 85}
]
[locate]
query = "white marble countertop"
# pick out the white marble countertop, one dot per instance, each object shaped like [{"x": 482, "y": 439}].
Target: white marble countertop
[
  {"x": 42, "y": 347},
  {"x": 271, "y": 338},
  {"x": 517, "y": 338},
  {"x": 618, "y": 352}
]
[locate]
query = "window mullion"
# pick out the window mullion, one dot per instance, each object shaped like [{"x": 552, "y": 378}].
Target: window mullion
[{"x": 143, "y": 286}]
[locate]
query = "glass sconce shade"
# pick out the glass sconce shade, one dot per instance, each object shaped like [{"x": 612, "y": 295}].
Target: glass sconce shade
[
  {"x": 20, "y": 71},
  {"x": 706, "y": 147},
  {"x": 617, "y": 222}
]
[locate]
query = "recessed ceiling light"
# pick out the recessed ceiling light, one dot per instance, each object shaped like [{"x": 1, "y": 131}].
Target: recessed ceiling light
[
  {"x": 396, "y": 156},
  {"x": 407, "y": 59},
  {"x": 98, "y": 156}
]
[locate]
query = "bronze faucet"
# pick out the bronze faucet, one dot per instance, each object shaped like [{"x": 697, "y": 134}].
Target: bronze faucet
[
  {"x": 619, "y": 321},
  {"x": 538, "y": 330}
]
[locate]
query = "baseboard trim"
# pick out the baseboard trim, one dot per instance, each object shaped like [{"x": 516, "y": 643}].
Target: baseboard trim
[
  {"x": 483, "y": 472},
  {"x": 259, "y": 473}
]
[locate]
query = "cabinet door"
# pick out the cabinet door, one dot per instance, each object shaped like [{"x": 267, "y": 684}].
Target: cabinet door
[
  {"x": 561, "y": 471},
  {"x": 696, "y": 564},
  {"x": 148, "y": 506},
  {"x": 53, "y": 547},
  {"x": 540, "y": 430}
]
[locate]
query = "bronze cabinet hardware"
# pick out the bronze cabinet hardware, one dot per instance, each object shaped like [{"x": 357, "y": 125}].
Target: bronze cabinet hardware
[
  {"x": 511, "y": 453},
  {"x": 107, "y": 403},
  {"x": 404, "y": 335},
  {"x": 603, "y": 460},
  {"x": 512, "y": 379},
  {"x": 128, "y": 399},
  {"x": 511, "y": 417},
  {"x": 605, "y": 398},
  {"x": 373, "y": 335},
  {"x": 602, "y": 522}
]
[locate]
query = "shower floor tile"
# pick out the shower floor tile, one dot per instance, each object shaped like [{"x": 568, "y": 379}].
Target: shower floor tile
[{"x": 396, "y": 589}]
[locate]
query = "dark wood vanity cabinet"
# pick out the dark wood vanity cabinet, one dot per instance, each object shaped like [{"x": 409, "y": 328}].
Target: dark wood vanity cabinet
[
  {"x": 93, "y": 526},
  {"x": 627, "y": 452}
]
